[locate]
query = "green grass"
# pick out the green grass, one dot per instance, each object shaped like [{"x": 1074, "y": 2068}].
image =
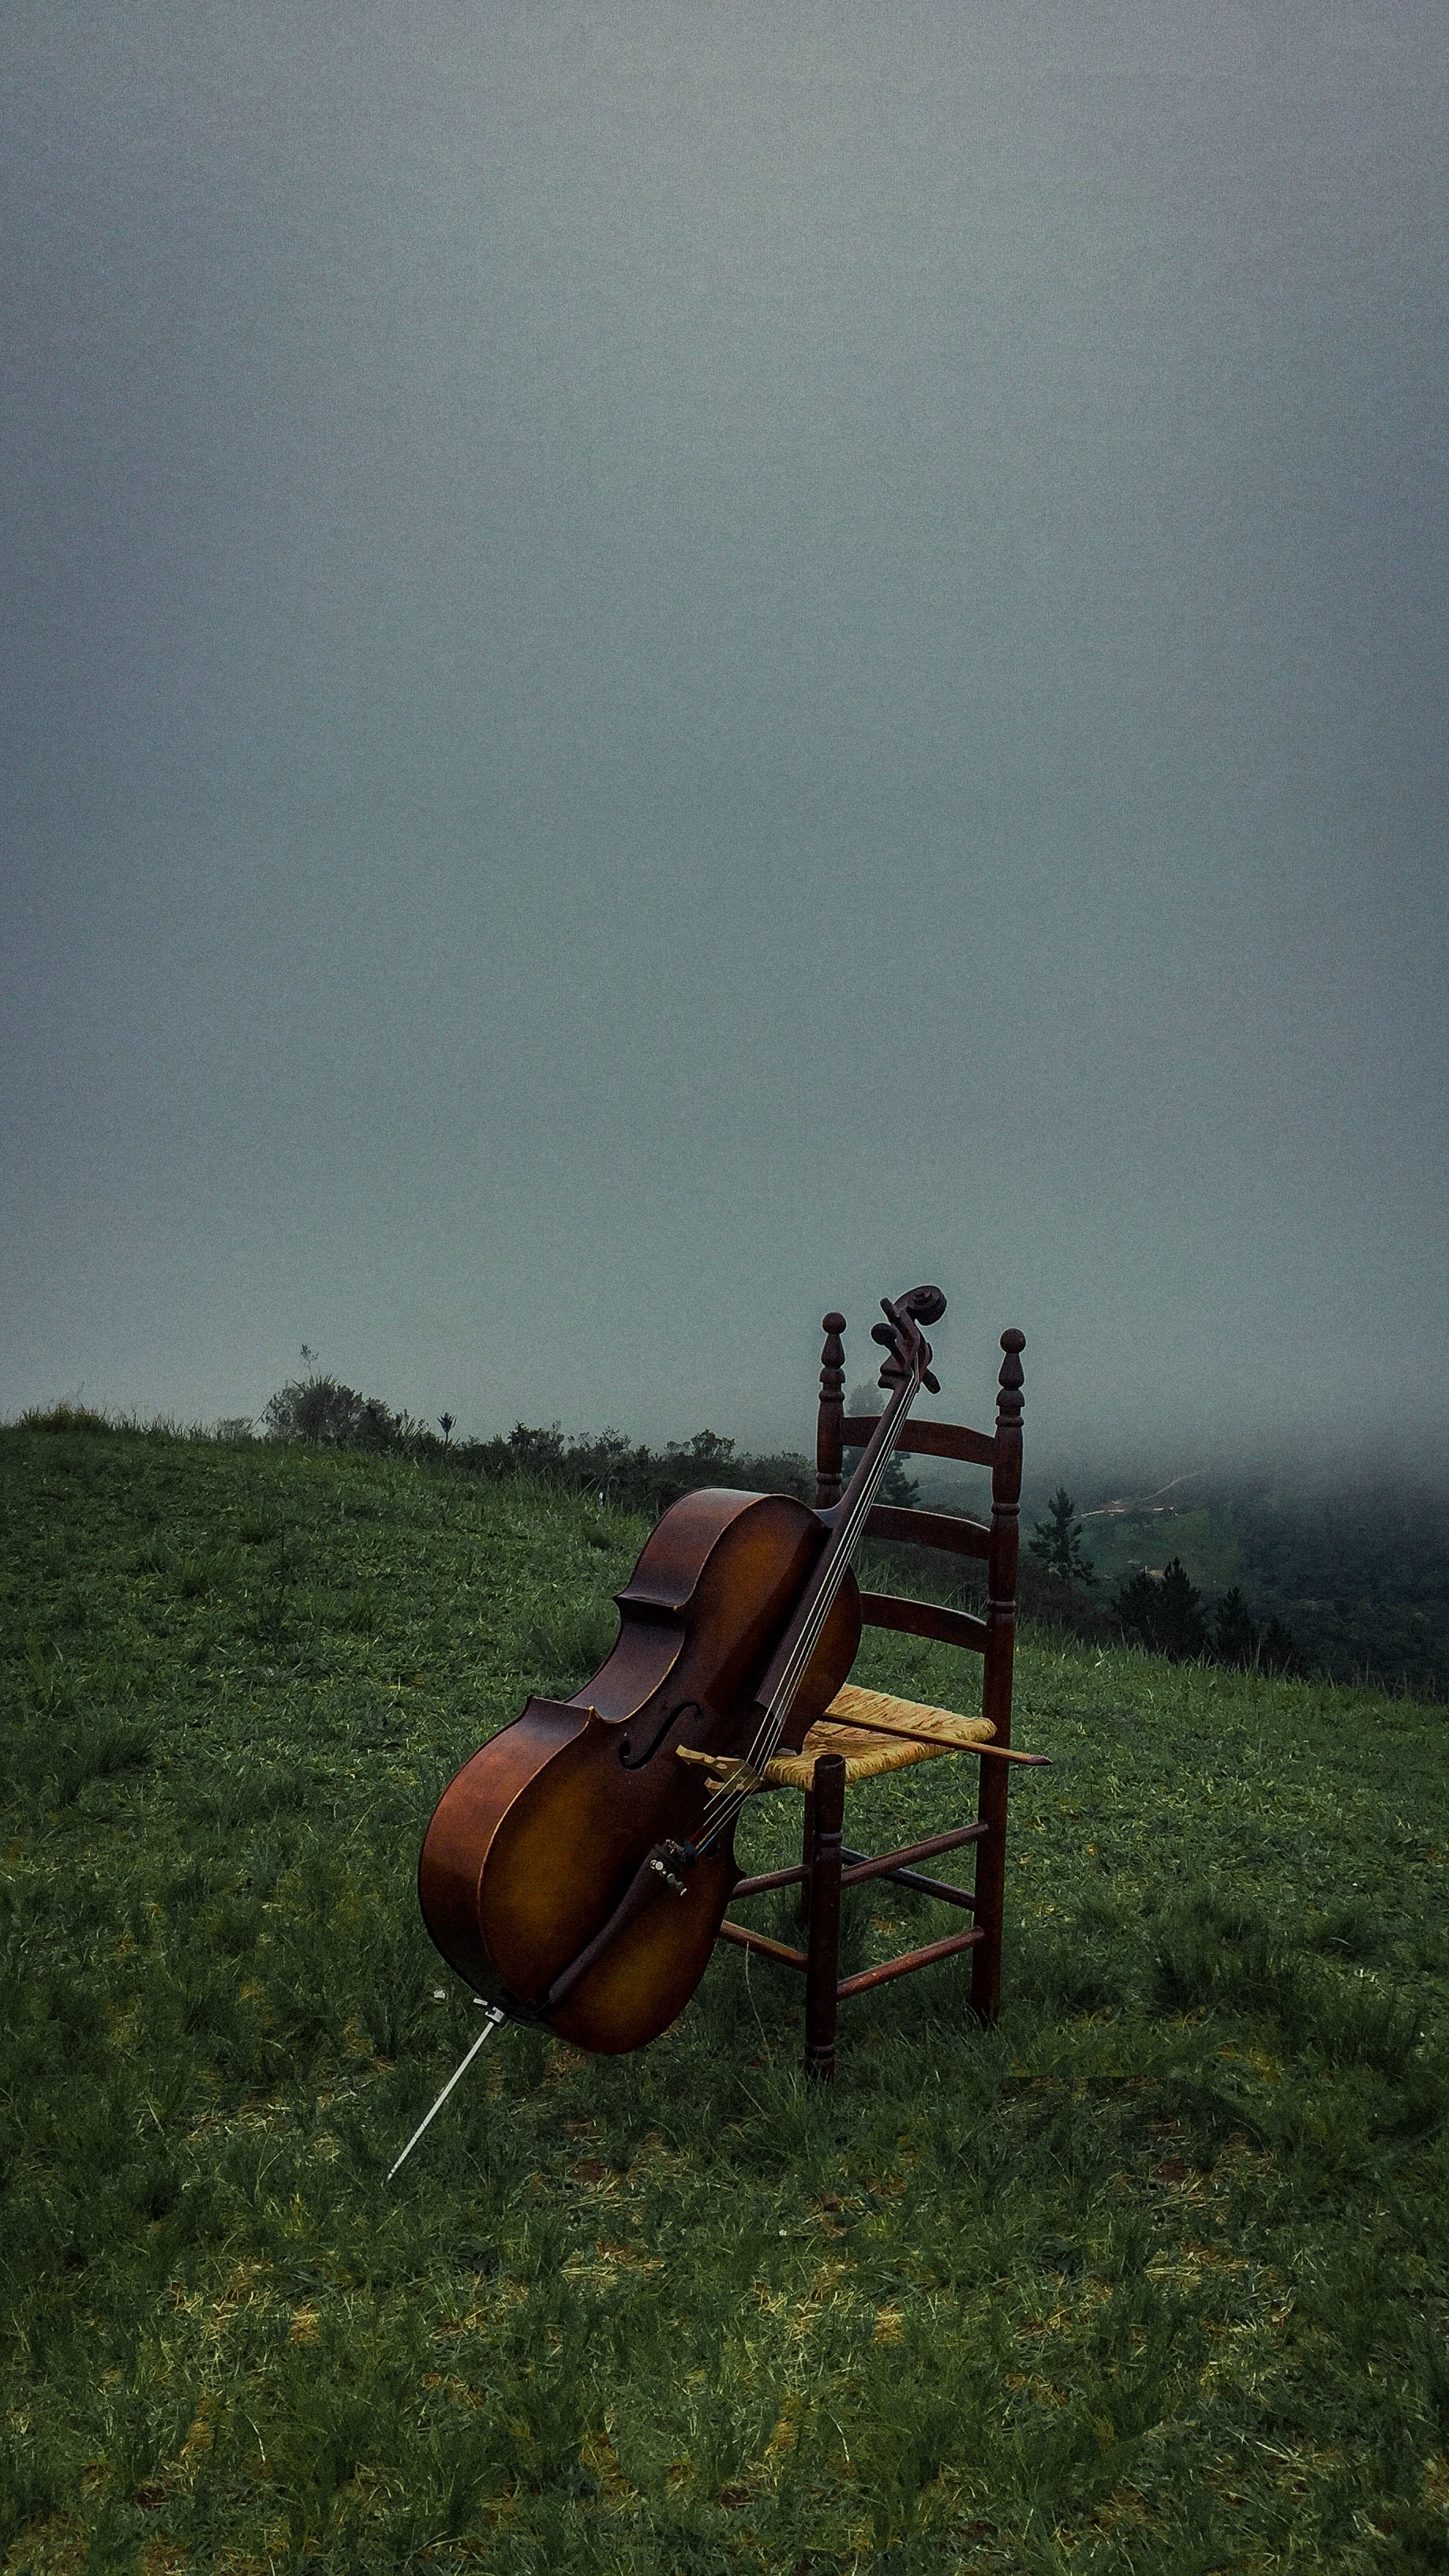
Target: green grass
[{"x": 1153, "y": 2277}]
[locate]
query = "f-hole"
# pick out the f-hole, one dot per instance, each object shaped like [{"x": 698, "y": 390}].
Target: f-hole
[{"x": 636, "y": 1761}]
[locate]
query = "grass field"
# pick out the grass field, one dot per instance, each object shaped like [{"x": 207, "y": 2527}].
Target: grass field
[{"x": 1153, "y": 2277}]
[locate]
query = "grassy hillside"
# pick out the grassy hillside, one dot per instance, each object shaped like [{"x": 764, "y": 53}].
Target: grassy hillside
[{"x": 1152, "y": 2278}]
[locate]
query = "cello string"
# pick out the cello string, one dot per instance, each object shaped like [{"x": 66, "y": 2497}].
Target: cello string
[
  {"x": 728, "y": 1802},
  {"x": 768, "y": 1734},
  {"x": 820, "y": 1610},
  {"x": 859, "y": 1513},
  {"x": 773, "y": 1723}
]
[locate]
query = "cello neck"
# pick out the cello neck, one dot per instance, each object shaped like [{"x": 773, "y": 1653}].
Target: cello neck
[{"x": 851, "y": 1513}]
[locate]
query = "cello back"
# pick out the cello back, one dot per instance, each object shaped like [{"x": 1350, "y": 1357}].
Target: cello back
[{"x": 531, "y": 1846}]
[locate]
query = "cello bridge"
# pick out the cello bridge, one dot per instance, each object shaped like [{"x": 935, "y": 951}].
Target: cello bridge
[{"x": 730, "y": 1770}]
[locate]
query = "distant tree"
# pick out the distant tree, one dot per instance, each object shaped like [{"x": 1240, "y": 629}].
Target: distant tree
[
  {"x": 1237, "y": 1639},
  {"x": 1164, "y": 1611},
  {"x": 705, "y": 1449},
  {"x": 1058, "y": 1541},
  {"x": 1235, "y": 1635},
  {"x": 898, "y": 1487},
  {"x": 1279, "y": 1653},
  {"x": 1182, "y": 1628},
  {"x": 1135, "y": 1603}
]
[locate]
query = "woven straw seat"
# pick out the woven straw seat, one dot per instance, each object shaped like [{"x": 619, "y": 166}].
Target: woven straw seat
[{"x": 867, "y": 1755}]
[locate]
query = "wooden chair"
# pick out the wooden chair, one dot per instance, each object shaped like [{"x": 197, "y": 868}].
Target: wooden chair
[{"x": 865, "y": 1733}]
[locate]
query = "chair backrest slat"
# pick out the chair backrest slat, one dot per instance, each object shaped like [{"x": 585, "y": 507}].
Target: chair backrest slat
[
  {"x": 925, "y": 1439},
  {"x": 951, "y": 1532},
  {"x": 924, "y": 1619},
  {"x": 947, "y": 1530}
]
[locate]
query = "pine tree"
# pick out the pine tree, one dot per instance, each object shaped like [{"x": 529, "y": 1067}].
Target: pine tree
[
  {"x": 1165, "y": 1611},
  {"x": 1235, "y": 1636},
  {"x": 1058, "y": 1541},
  {"x": 1135, "y": 1604},
  {"x": 1181, "y": 1627},
  {"x": 1279, "y": 1653}
]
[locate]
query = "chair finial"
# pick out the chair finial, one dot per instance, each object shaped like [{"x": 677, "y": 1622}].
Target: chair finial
[
  {"x": 1010, "y": 1400},
  {"x": 832, "y": 1407}
]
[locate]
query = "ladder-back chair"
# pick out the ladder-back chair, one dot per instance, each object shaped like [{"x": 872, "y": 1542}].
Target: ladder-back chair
[{"x": 865, "y": 1733}]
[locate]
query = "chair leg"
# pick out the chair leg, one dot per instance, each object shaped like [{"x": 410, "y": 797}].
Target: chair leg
[
  {"x": 807, "y": 1858},
  {"x": 822, "y": 1975},
  {"x": 990, "y": 1891}
]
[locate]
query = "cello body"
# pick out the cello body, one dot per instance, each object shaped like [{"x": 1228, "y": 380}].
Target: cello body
[{"x": 534, "y": 1843}]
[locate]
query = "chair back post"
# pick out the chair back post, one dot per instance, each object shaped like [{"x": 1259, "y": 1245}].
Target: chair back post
[
  {"x": 996, "y": 1679},
  {"x": 832, "y": 1409}
]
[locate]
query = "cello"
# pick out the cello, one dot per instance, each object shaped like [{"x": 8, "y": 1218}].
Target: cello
[{"x": 575, "y": 1872}]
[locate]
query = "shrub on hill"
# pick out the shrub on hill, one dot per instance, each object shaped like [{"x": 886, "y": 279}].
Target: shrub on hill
[
  {"x": 1056, "y": 1603},
  {"x": 65, "y": 1417},
  {"x": 627, "y": 1475},
  {"x": 329, "y": 1415}
]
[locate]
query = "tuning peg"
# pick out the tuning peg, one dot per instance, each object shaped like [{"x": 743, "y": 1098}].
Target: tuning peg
[
  {"x": 888, "y": 1337},
  {"x": 928, "y": 1380}
]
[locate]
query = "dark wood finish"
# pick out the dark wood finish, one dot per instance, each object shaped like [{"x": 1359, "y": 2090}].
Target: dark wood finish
[
  {"x": 745, "y": 1939},
  {"x": 832, "y": 1407},
  {"x": 915, "y": 1878},
  {"x": 924, "y": 1619},
  {"x": 824, "y": 1933},
  {"x": 882, "y": 1866},
  {"x": 907, "y": 1964},
  {"x": 925, "y": 1439},
  {"x": 827, "y": 1864},
  {"x": 958, "y": 1537},
  {"x": 996, "y": 1677},
  {"x": 769, "y": 1878}
]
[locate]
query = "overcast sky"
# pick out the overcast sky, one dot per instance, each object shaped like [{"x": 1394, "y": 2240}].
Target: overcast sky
[{"x": 669, "y": 665}]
